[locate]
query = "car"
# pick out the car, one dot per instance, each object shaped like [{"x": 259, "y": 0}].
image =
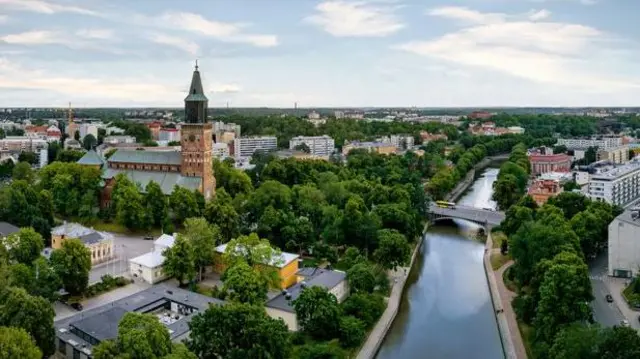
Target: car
[
  {"x": 148, "y": 238},
  {"x": 77, "y": 306},
  {"x": 624, "y": 323},
  {"x": 609, "y": 298}
]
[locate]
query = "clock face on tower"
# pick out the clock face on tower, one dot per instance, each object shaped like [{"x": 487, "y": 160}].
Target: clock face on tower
[{"x": 192, "y": 137}]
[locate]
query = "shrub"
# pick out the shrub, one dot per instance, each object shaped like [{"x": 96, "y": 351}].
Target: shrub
[
  {"x": 366, "y": 307},
  {"x": 352, "y": 331}
]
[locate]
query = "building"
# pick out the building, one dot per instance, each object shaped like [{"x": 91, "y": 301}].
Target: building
[
  {"x": 18, "y": 144},
  {"x": 299, "y": 155},
  {"x": 377, "y": 147},
  {"x": 191, "y": 166},
  {"x": 624, "y": 245},
  {"x": 313, "y": 115},
  {"x": 221, "y": 150},
  {"x": 543, "y": 189},
  {"x": 401, "y": 142},
  {"x": 155, "y": 128},
  {"x": 549, "y": 163},
  {"x": 617, "y": 155},
  {"x": 318, "y": 145},
  {"x": 286, "y": 265},
  {"x": 71, "y": 144},
  {"x": 148, "y": 266},
  {"x": 280, "y": 306},
  {"x": 428, "y": 137},
  {"x": 88, "y": 129},
  {"x": 169, "y": 135},
  {"x": 618, "y": 185},
  {"x": 92, "y": 159},
  {"x": 117, "y": 139},
  {"x": 602, "y": 143},
  {"x": 247, "y": 146},
  {"x": 53, "y": 134},
  {"x": 7, "y": 229},
  {"x": 36, "y": 131},
  {"x": 174, "y": 307},
  {"x": 99, "y": 243},
  {"x": 480, "y": 115},
  {"x": 515, "y": 130}
]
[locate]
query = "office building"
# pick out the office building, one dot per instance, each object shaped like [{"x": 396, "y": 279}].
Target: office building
[
  {"x": 616, "y": 155},
  {"x": 247, "y": 146},
  {"x": 624, "y": 245},
  {"x": 174, "y": 307},
  {"x": 618, "y": 185},
  {"x": 602, "y": 143},
  {"x": 318, "y": 145}
]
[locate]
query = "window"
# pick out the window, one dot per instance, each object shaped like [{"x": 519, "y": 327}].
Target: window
[{"x": 76, "y": 353}]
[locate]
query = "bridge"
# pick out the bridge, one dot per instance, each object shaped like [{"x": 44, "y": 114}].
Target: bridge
[{"x": 484, "y": 217}]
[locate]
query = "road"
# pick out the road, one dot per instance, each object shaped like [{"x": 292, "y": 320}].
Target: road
[
  {"x": 469, "y": 213},
  {"x": 607, "y": 314},
  {"x": 125, "y": 248}
]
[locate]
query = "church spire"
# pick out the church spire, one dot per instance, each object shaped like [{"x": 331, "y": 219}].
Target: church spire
[{"x": 196, "y": 102}]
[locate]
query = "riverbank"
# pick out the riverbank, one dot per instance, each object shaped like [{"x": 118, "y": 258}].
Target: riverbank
[
  {"x": 471, "y": 175},
  {"x": 376, "y": 336}
]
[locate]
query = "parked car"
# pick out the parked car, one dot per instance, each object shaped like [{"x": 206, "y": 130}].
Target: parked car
[
  {"x": 77, "y": 306},
  {"x": 609, "y": 298},
  {"x": 624, "y": 323},
  {"x": 148, "y": 238}
]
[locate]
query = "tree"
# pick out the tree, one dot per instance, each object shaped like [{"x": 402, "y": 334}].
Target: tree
[
  {"x": 23, "y": 171},
  {"x": 504, "y": 247},
  {"x": 33, "y": 314},
  {"x": 238, "y": 331},
  {"x": 506, "y": 191},
  {"x": 364, "y": 306},
  {"x": 515, "y": 217},
  {"x": 255, "y": 252},
  {"x": 362, "y": 278},
  {"x": 76, "y": 135},
  {"x": 25, "y": 246},
  {"x": 16, "y": 343},
  {"x": 156, "y": 203},
  {"x": 620, "y": 342},
  {"x": 28, "y": 157},
  {"x": 321, "y": 351},
  {"x": 72, "y": 263},
  {"x": 89, "y": 142},
  {"x": 318, "y": 312},
  {"x": 577, "y": 342},
  {"x": 183, "y": 204},
  {"x": 352, "y": 331},
  {"x": 129, "y": 204},
  {"x": 351, "y": 257},
  {"x": 203, "y": 238},
  {"x": 40, "y": 279},
  {"x": 244, "y": 284},
  {"x": 393, "y": 249},
  {"x": 570, "y": 203},
  {"x": 180, "y": 260},
  {"x": 223, "y": 215},
  {"x": 588, "y": 228},
  {"x": 303, "y": 147}
]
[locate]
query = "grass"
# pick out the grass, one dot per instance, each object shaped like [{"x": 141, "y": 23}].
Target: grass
[
  {"x": 526, "y": 332},
  {"x": 113, "y": 227},
  {"x": 497, "y": 238},
  {"x": 498, "y": 260},
  {"x": 511, "y": 285}
]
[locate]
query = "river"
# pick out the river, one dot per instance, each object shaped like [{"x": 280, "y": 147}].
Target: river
[{"x": 446, "y": 310}]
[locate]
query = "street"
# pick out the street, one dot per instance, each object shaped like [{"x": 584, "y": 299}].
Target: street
[
  {"x": 125, "y": 248},
  {"x": 607, "y": 314}
]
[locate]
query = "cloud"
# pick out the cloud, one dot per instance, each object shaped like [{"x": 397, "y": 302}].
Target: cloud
[
  {"x": 583, "y": 2},
  {"x": 177, "y": 42},
  {"x": 227, "y": 32},
  {"x": 3, "y": 18},
  {"x": 466, "y": 15},
  {"x": 35, "y": 37},
  {"x": 97, "y": 34},
  {"x": 225, "y": 88},
  {"x": 355, "y": 19},
  {"x": 544, "y": 52},
  {"x": 539, "y": 15},
  {"x": 82, "y": 39},
  {"x": 43, "y": 7}
]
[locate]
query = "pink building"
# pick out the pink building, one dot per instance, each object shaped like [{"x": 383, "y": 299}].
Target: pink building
[{"x": 549, "y": 163}]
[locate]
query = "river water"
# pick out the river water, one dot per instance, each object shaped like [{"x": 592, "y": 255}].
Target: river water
[{"x": 446, "y": 310}]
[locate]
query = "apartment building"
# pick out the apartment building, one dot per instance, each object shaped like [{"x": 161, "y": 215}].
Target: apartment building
[
  {"x": 377, "y": 147},
  {"x": 88, "y": 129},
  {"x": 169, "y": 135},
  {"x": 624, "y": 246},
  {"x": 616, "y": 155},
  {"x": 19, "y": 144},
  {"x": 619, "y": 185},
  {"x": 247, "y": 146},
  {"x": 220, "y": 150},
  {"x": 602, "y": 143},
  {"x": 117, "y": 139},
  {"x": 318, "y": 145}
]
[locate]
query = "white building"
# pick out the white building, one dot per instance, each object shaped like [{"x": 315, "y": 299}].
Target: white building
[
  {"x": 624, "y": 245},
  {"x": 318, "y": 145},
  {"x": 148, "y": 266},
  {"x": 88, "y": 128},
  {"x": 169, "y": 135},
  {"x": 220, "y": 150},
  {"x": 619, "y": 185},
  {"x": 402, "y": 142},
  {"x": 116, "y": 139},
  {"x": 602, "y": 143},
  {"x": 516, "y": 130},
  {"x": 247, "y": 146},
  {"x": 19, "y": 144}
]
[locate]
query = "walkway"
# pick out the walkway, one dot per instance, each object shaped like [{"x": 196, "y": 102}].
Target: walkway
[{"x": 507, "y": 297}]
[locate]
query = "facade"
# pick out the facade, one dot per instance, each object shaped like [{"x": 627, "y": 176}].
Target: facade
[
  {"x": 169, "y": 134},
  {"x": 174, "y": 307},
  {"x": 53, "y": 134},
  {"x": 624, "y": 245},
  {"x": 377, "y": 147},
  {"x": 313, "y": 115},
  {"x": 318, "y": 145},
  {"x": 148, "y": 266},
  {"x": 286, "y": 265},
  {"x": 616, "y": 155},
  {"x": 18, "y": 144},
  {"x": 221, "y": 150},
  {"x": 543, "y": 189},
  {"x": 401, "y": 142},
  {"x": 549, "y": 163},
  {"x": 280, "y": 306},
  {"x": 247, "y": 146},
  {"x": 88, "y": 129},
  {"x": 618, "y": 185},
  {"x": 602, "y": 143},
  {"x": 117, "y": 139},
  {"x": 99, "y": 243},
  {"x": 428, "y": 137},
  {"x": 299, "y": 155}
]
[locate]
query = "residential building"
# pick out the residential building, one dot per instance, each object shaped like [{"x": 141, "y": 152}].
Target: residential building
[
  {"x": 155, "y": 128},
  {"x": 428, "y": 137},
  {"x": 148, "y": 266},
  {"x": 300, "y": 155},
  {"x": 624, "y": 245},
  {"x": 18, "y": 144},
  {"x": 117, "y": 139},
  {"x": 338, "y": 114},
  {"x": 543, "y": 189},
  {"x": 602, "y": 143},
  {"x": 516, "y": 130},
  {"x": 53, "y": 134},
  {"x": 169, "y": 134},
  {"x": 100, "y": 244},
  {"x": 401, "y": 142},
  {"x": 549, "y": 163},
  {"x": 7, "y": 229},
  {"x": 280, "y": 306},
  {"x": 618, "y": 185},
  {"x": 286, "y": 265},
  {"x": 318, "y": 145},
  {"x": 71, "y": 144},
  {"x": 247, "y": 146},
  {"x": 480, "y": 115},
  {"x": 313, "y": 115},
  {"x": 220, "y": 150},
  {"x": 36, "y": 131},
  {"x": 616, "y": 155},
  {"x": 88, "y": 129},
  {"x": 377, "y": 147},
  {"x": 77, "y": 335}
]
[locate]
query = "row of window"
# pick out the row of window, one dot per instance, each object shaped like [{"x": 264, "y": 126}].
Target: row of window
[{"x": 129, "y": 166}]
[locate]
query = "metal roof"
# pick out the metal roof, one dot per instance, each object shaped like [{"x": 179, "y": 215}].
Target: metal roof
[
  {"x": 324, "y": 278},
  {"x": 91, "y": 238},
  {"x": 147, "y": 157},
  {"x": 7, "y": 229},
  {"x": 166, "y": 180},
  {"x": 91, "y": 158}
]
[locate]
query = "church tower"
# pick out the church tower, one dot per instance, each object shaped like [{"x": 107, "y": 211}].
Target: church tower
[{"x": 196, "y": 137}]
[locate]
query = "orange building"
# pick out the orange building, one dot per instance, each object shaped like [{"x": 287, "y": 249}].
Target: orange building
[{"x": 543, "y": 189}]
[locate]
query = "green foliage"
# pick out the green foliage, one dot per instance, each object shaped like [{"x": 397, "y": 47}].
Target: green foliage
[
  {"x": 89, "y": 142},
  {"x": 255, "y": 252},
  {"x": 321, "y": 351},
  {"x": 594, "y": 342},
  {"x": 183, "y": 204},
  {"x": 352, "y": 331},
  {"x": 23, "y": 172},
  {"x": 16, "y": 343},
  {"x": 39, "y": 279},
  {"x": 24, "y": 246},
  {"x": 23, "y": 206},
  {"x": 180, "y": 260},
  {"x": 72, "y": 263},
  {"x": 69, "y": 156},
  {"x": 351, "y": 257},
  {"x": 68, "y": 182},
  {"x": 204, "y": 238},
  {"x": 364, "y": 306},
  {"x": 393, "y": 249},
  {"x": 318, "y": 312},
  {"x": 362, "y": 278},
  {"x": 129, "y": 204},
  {"x": 106, "y": 284},
  {"x": 233, "y": 181},
  {"x": 220, "y": 212},
  {"x": 244, "y": 284},
  {"x": 156, "y": 203}
]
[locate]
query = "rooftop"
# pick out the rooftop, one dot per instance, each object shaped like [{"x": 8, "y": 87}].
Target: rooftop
[
  {"x": 313, "y": 277},
  {"x": 75, "y": 230},
  {"x": 609, "y": 173},
  {"x": 626, "y": 217},
  {"x": 285, "y": 258},
  {"x": 7, "y": 229},
  {"x": 91, "y": 158},
  {"x": 151, "y": 259},
  {"x": 147, "y": 157},
  {"x": 166, "y": 180}
]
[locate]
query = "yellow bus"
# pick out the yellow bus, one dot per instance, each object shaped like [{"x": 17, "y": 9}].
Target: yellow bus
[{"x": 445, "y": 204}]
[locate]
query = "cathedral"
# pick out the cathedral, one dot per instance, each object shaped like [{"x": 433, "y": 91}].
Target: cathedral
[{"x": 191, "y": 167}]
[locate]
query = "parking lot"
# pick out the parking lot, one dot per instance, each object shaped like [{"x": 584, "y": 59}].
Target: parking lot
[{"x": 125, "y": 248}]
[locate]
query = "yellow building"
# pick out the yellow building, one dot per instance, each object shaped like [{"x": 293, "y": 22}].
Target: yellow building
[
  {"x": 286, "y": 266},
  {"x": 99, "y": 243},
  {"x": 616, "y": 155}
]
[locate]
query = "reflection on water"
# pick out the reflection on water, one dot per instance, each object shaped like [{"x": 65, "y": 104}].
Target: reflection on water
[{"x": 446, "y": 310}]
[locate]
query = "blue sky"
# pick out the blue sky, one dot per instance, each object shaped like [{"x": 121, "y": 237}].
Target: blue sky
[{"x": 320, "y": 53}]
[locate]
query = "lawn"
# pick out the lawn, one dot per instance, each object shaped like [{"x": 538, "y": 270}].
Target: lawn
[
  {"x": 527, "y": 337},
  {"x": 497, "y": 238},
  {"x": 498, "y": 260},
  {"x": 113, "y": 227}
]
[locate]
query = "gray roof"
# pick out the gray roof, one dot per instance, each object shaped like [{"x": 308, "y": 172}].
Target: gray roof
[
  {"x": 325, "y": 278},
  {"x": 7, "y": 229},
  {"x": 91, "y": 238},
  {"x": 626, "y": 217},
  {"x": 102, "y": 322},
  {"x": 166, "y": 180},
  {"x": 196, "y": 91},
  {"x": 147, "y": 157},
  {"x": 91, "y": 158}
]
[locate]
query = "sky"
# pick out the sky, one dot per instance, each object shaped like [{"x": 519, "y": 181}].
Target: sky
[{"x": 336, "y": 53}]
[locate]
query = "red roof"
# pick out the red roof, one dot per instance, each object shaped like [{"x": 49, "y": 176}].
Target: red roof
[
  {"x": 169, "y": 129},
  {"x": 549, "y": 158}
]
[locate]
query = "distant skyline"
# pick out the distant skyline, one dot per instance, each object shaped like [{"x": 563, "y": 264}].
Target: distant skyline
[{"x": 366, "y": 53}]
